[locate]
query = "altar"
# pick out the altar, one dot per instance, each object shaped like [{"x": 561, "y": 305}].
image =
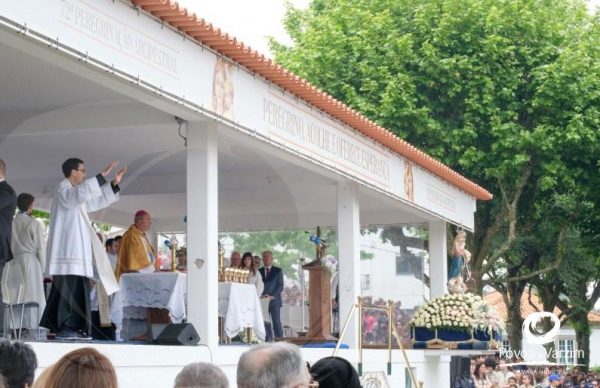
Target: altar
[
  {"x": 141, "y": 291},
  {"x": 240, "y": 309}
]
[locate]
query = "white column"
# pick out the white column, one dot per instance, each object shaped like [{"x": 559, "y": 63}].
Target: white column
[
  {"x": 438, "y": 258},
  {"x": 349, "y": 257},
  {"x": 203, "y": 230}
]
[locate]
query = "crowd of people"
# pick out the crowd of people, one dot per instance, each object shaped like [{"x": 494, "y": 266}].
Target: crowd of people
[
  {"x": 375, "y": 323},
  {"x": 271, "y": 365},
  {"x": 494, "y": 372},
  {"x": 292, "y": 296}
]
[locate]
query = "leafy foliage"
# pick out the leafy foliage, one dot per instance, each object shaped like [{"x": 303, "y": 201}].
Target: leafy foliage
[
  {"x": 506, "y": 92},
  {"x": 288, "y": 246}
]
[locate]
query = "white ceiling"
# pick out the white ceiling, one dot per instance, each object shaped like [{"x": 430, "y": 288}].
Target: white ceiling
[{"x": 49, "y": 114}]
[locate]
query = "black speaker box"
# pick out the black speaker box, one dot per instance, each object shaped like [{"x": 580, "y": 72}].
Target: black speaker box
[
  {"x": 155, "y": 330},
  {"x": 178, "y": 334}
]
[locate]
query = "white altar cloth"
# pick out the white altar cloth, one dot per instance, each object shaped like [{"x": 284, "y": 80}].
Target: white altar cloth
[
  {"x": 240, "y": 306},
  {"x": 140, "y": 291}
]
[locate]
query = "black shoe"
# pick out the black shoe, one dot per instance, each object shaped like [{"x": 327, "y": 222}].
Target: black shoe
[{"x": 72, "y": 335}]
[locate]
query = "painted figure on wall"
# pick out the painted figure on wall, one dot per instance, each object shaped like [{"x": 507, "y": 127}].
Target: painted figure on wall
[
  {"x": 409, "y": 191},
  {"x": 459, "y": 259},
  {"x": 222, "y": 93}
]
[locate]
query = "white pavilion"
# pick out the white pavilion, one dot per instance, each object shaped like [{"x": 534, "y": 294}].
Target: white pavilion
[{"x": 215, "y": 133}]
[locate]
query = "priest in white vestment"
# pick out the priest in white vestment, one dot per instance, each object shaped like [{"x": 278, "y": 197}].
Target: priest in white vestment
[
  {"x": 73, "y": 249},
  {"x": 24, "y": 276}
]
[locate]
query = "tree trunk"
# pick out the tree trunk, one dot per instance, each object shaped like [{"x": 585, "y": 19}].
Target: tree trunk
[
  {"x": 582, "y": 336},
  {"x": 515, "y": 335},
  {"x": 514, "y": 292},
  {"x": 475, "y": 284}
]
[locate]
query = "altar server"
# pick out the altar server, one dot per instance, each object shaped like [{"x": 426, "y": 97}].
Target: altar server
[
  {"x": 73, "y": 249},
  {"x": 24, "y": 276}
]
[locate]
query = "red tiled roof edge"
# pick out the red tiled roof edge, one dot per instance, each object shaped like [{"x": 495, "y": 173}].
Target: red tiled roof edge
[
  {"x": 495, "y": 299},
  {"x": 204, "y": 32}
]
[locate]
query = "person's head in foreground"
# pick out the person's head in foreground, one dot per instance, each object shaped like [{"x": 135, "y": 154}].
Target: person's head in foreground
[
  {"x": 277, "y": 365},
  {"x": 85, "y": 367},
  {"x": 17, "y": 364},
  {"x": 332, "y": 372},
  {"x": 554, "y": 380},
  {"x": 41, "y": 380},
  {"x": 201, "y": 375}
]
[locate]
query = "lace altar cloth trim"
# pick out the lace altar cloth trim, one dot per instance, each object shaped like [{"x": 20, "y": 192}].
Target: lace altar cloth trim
[{"x": 241, "y": 308}]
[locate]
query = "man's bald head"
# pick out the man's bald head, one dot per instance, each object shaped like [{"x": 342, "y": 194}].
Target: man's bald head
[{"x": 278, "y": 365}]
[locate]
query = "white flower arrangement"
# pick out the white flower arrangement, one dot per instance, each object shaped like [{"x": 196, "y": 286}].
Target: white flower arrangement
[
  {"x": 487, "y": 318},
  {"x": 457, "y": 312},
  {"x": 330, "y": 263}
]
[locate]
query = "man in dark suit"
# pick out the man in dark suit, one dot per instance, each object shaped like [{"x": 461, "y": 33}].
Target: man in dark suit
[
  {"x": 8, "y": 204},
  {"x": 273, "y": 279}
]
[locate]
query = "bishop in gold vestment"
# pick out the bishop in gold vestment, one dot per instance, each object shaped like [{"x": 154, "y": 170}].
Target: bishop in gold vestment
[{"x": 136, "y": 253}]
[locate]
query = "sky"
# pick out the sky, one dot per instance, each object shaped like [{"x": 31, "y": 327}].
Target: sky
[{"x": 251, "y": 21}]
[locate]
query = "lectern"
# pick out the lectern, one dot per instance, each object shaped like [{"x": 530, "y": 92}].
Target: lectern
[{"x": 319, "y": 299}]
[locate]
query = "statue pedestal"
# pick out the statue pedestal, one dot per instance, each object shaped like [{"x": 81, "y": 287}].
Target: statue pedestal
[{"x": 319, "y": 312}]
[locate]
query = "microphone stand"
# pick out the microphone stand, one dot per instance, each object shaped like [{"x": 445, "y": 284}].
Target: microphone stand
[{"x": 302, "y": 288}]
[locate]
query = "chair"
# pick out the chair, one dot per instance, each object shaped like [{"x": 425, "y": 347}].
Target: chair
[{"x": 9, "y": 308}]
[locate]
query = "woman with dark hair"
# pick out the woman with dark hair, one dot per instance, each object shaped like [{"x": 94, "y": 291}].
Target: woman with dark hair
[
  {"x": 526, "y": 380},
  {"x": 254, "y": 278},
  {"x": 85, "y": 367},
  {"x": 333, "y": 372},
  {"x": 480, "y": 376}
]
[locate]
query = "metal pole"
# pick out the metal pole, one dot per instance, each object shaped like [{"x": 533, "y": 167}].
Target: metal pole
[
  {"x": 390, "y": 323},
  {"x": 360, "y": 325},
  {"x": 343, "y": 332},
  {"x": 410, "y": 372},
  {"x": 302, "y": 288}
]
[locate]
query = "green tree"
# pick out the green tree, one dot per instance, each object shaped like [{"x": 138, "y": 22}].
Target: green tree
[
  {"x": 288, "y": 246},
  {"x": 573, "y": 286},
  {"x": 505, "y": 92}
]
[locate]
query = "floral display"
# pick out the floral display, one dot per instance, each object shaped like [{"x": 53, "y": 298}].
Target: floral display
[
  {"x": 487, "y": 318},
  {"x": 330, "y": 263},
  {"x": 458, "y": 312}
]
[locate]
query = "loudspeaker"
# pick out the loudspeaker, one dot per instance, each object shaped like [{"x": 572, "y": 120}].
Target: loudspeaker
[
  {"x": 155, "y": 330},
  {"x": 178, "y": 334}
]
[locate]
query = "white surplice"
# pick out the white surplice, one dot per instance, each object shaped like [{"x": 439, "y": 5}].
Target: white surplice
[
  {"x": 23, "y": 276},
  {"x": 72, "y": 243},
  {"x": 69, "y": 240}
]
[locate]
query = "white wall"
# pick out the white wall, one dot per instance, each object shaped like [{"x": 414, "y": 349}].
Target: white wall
[{"x": 385, "y": 283}]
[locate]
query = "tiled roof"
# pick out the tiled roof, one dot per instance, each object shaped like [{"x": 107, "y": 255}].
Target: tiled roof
[
  {"x": 495, "y": 299},
  {"x": 204, "y": 32}
]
